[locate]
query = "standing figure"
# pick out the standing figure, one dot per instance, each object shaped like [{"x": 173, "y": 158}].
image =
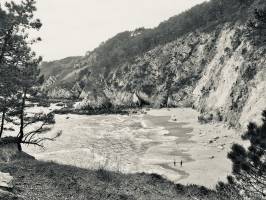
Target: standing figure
[{"x": 181, "y": 163}]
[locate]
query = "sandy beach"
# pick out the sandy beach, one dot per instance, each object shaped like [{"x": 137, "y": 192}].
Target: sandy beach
[
  {"x": 155, "y": 142},
  {"x": 208, "y": 152}
]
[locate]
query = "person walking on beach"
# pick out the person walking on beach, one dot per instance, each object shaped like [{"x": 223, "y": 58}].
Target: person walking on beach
[
  {"x": 174, "y": 162},
  {"x": 181, "y": 163}
]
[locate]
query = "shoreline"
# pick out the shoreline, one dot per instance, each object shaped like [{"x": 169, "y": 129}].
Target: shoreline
[
  {"x": 128, "y": 143},
  {"x": 211, "y": 143},
  {"x": 182, "y": 135}
]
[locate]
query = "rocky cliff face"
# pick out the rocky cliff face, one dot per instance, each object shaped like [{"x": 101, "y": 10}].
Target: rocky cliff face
[
  {"x": 220, "y": 73},
  {"x": 233, "y": 82}
]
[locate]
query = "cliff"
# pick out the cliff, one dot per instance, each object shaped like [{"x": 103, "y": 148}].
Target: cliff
[{"x": 219, "y": 71}]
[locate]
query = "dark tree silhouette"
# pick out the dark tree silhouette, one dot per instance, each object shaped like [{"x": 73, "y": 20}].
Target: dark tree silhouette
[
  {"x": 29, "y": 80},
  {"x": 19, "y": 72},
  {"x": 257, "y": 26},
  {"x": 249, "y": 165},
  {"x": 15, "y": 20}
]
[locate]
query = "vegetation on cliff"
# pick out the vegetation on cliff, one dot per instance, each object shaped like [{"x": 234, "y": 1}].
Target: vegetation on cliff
[
  {"x": 175, "y": 79},
  {"x": 207, "y": 16},
  {"x": 206, "y": 57}
]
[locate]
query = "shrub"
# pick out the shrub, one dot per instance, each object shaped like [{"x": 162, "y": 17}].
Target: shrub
[{"x": 249, "y": 164}]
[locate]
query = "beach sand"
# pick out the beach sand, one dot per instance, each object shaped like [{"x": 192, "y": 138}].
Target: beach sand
[
  {"x": 211, "y": 144},
  {"x": 155, "y": 142}
]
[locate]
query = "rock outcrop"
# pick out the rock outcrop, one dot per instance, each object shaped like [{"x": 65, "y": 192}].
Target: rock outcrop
[
  {"x": 6, "y": 181},
  {"x": 9, "y": 153},
  {"x": 220, "y": 72}
]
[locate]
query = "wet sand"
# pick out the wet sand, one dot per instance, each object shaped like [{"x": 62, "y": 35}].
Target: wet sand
[
  {"x": 181, "y": 135},
  {"x": 137, "y": 143},
  {"x": 208, "y": 150},
  {"x": 151, "y": 143}
]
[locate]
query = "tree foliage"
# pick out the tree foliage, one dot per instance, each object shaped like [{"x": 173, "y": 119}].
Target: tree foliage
[
  {"x": 257, "y": 26},
  {"x": 249, "y": 165},
  {"x": 19, "y": 71},
  {"x": 125, "y": 46}
]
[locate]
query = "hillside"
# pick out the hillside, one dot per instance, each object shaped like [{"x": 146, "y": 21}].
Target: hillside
[
  {"x": 53, "y": 181},
  {"x": 33, "y": 179},
  {"x": 201, "y": 58}
]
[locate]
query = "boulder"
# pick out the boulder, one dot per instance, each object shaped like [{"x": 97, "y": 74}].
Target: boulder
[{"x": 6, "y": 181}]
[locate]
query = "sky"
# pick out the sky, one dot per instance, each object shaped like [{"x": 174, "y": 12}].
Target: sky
[{"x": 73, "y": 27}]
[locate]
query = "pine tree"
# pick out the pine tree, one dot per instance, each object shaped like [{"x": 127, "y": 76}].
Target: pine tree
[
  {"x": 18, "y": 61},
  {"x": 249, "y": 165},
  {"x": 15, "y": 20},
  {"x": 7, "y": 94},
  {"x": 28, "y": 81}
]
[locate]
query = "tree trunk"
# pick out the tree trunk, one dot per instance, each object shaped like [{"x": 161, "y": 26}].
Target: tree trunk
[
  {"x": 19, "y": 146},
  {"x": 21, "y": 130},
  {"x": 2, "y": 123},
  {"x": 2, "y": 54}
]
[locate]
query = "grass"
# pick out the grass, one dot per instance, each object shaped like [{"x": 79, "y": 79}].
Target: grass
[{"x": 35, "y": 179}]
